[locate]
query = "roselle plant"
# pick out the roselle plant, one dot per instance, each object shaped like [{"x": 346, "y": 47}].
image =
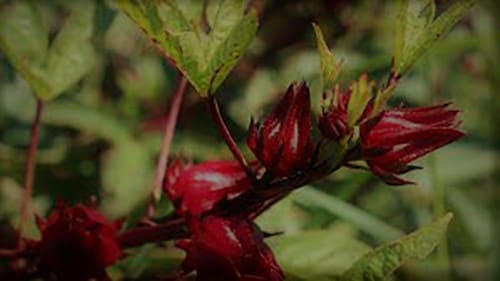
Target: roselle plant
[{"x": 216, "y": 202}]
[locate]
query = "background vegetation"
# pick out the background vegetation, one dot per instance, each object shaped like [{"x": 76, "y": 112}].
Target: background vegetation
[{"x": 101, "y": 137}]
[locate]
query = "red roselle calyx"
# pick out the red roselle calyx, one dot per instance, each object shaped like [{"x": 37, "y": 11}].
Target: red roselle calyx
[
  {"x": 231, "y": 249},
  {"x": 77, "y": 243},
  {"x": 283, "y": 142},
  {"x": 333, "y": 119},
  {"x": 398, "y": 136},
  {"x": 196, "y": 189},
  {"x": 392, "y": 138},
  {"x": 346, "y": 109}
]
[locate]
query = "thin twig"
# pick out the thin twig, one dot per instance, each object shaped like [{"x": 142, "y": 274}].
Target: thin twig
[
  {"x": 30, "y": 168},
  {"x": 168, "y": 135},
  {"x": 228, "y": 138}
]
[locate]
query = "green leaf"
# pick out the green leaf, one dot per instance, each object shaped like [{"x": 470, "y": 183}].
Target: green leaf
[
  {"x": 71, "y": 54},
  {"x": 417, "y": 28},
  {"x": 126, "y": 178},
  {"x": 316, "y": 253},
  {"x": 364, "y": 221},
  {"x": 147, "y": 263},
  {"x": 361, "y": 95},
  {"x": 204, "y": 57},
  {"x": 24, "y": 40},
  {"x": 381, "y": 262},
  {"x": 381, "y": 99},
  {"x": 136, "y": 264},
  {"x": 330, "y": 68},
  {"x": 400, "y": 30}
]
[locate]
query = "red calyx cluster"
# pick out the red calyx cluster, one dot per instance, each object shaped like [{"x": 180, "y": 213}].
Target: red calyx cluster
[
  {"x": 231, "y": 249},
  {"x": 218, "y": 248},
  {"x": 333, "y": 119},
  {"x": 195, "y": 189},
  {"x": 390, "y": 139},
  {"x": 216, "y": 201},
  {"x": 77, "y": 243},
  {"x": 225, "y": 246},
  {"x": 398, "y": 136},
  {"x": 283, "y": 142}
]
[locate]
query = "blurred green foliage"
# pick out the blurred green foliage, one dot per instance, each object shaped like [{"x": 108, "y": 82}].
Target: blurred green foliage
[{"x": 102, "y": 136}]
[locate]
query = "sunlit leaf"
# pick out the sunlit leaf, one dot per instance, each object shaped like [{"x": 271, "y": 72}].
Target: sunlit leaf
[
  {"x": 416, "y": 28},
  {"x": 204, "y": 56},
  {"x": 24, "y": 40},
  {"x": 49, "y": 70},
  {"x": 361, "y": 93},
  {"x": 136, "y": 264},
  {"x": 381, "y": 262},
  {"x": 71, "y": 54},
  {"x": 330, "y": 67}
]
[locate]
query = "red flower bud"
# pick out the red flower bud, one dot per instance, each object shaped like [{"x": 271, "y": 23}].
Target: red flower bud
[
  {"x": 347, "y": 109},
  {"x": 229, "y": 250},
  {"x": 333, "y": 119},
  {"x": 195, "y": 189},
  {"x": 396, "y": 137},
  {"x": 283, "y": 142},
  {"x": 78, "y": 243}
]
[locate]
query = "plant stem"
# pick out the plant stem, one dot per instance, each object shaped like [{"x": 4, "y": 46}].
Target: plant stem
[
  {"x": 30, "y": 168},
  {"x": 228, "y": 138},
  {"x": 168, "y": 135},
  {"x": 172, "y": 229}
]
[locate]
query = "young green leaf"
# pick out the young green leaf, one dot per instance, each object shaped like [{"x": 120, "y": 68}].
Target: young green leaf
[
  {"x": 330, "y": 67},
  {"x": 381, "y": 262},
  {"x": 417, "y": 28},
  {"x": 205, "y": 47},
  {"x": 381, "y": 98},
  {"x": 71, "y": 54},
  {"x": 136, "y": 264},
  {"x": 24, "y": 41},
  {"x": 360, "y": 97},
  {"x": 49, "y": 70}
]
